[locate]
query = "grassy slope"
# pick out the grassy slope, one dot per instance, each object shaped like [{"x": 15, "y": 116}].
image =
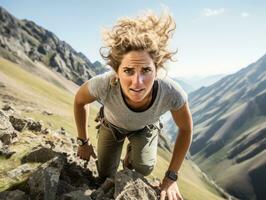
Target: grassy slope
[{"x": 49, "y": 97}]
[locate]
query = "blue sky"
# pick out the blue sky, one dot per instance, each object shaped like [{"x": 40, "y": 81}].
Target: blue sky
[{"x": 212, "y": 37}]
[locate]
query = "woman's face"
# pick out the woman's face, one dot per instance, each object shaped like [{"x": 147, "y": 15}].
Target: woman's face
[{"x": 137, "y": 73}]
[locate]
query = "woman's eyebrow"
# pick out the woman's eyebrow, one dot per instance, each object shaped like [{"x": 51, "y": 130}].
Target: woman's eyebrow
[{"x": 128, "y": 67}]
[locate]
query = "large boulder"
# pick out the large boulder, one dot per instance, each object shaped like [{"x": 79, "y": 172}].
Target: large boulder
[
  {"x": 18, "y": 123},
  {"x": 39, "y": 154},
  {"x": 6, "y": 129},
  {"x": 43, "y": 183},
  {"x": 132, "y": 185},
  {"x": 13, "y": 195}
]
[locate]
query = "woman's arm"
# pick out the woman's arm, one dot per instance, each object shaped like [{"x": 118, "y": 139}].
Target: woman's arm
[
  {"x": 183, "y": 120},
  {"x": 81, "y": 112}
]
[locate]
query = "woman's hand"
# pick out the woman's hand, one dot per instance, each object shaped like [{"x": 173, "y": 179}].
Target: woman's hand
[
  {"x": 86, "y": 151},
  {"x": 169, "y": 190}
]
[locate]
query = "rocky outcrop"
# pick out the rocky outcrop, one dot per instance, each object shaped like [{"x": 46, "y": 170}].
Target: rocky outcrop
[
  {"x": 7, "y": 132},
  {"x": 59, "y": 173},
  {"x": 64, "y": 178},
  {"x": 25, "y": 40}
]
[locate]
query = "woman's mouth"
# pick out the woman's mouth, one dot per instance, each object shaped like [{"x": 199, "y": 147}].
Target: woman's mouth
[{"x": 136, "y": 90}]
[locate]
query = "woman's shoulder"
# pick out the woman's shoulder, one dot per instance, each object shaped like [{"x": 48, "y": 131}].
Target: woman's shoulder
[
  {"x": 99, "y": 85},
  {"x": 172, "y": 91},
  {"x": 167, "y": 83}
]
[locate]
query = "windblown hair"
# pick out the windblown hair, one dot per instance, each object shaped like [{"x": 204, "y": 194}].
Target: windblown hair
[{"x": 147, "y": 32}]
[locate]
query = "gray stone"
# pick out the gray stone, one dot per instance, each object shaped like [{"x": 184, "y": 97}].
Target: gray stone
[
  {"x": 34, "y": 126},
  {"x": 47, "y": 113},
  {"x": 19, "y": 171},
  {"x": 132, "y": 185},
  {"x": 105, "y": 191},
  {"x": 17, "y": 123},
  {"x": 62, "y": 131},
  {"x": 76, "y": 195},
  {"x": 8, "y": 107},
  {"x": 5, "y": 151},
  {"x": 39, "y": 154},
  {"x": 46, "y": 131},
  {"x": 13, "y": 195},
  {"x": 44, "y": 182},
  {"x": 50, "y": 143},
  {"x": 6, "y": 129}
]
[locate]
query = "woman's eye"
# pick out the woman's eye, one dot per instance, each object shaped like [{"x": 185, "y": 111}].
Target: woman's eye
[
  {"x": 128, "y": 71},
  {"x": 146, "y": 70}
]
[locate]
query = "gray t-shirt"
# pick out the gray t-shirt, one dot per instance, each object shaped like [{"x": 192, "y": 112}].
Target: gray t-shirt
[{"x": 170, "y": 96}]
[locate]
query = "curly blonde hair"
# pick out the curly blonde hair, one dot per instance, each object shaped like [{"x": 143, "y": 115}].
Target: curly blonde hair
[{"x": 147, "y": 32}]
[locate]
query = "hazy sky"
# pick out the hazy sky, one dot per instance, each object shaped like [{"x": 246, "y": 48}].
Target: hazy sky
[{"x": 212, "y": 37}]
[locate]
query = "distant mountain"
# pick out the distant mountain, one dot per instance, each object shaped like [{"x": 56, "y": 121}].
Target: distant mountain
[
  {"x": 230, "y": 131},
  {"x": 24, "y": 42},
  {"x": 171, "y": 128},
  {"x": 198, "y": 82},
  {"x": 184, "y": 84}
]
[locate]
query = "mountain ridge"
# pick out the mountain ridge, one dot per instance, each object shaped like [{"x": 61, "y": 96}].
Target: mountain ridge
[
  {"x": 27, "y": 41},
  {"x": 230, "y": 122}
]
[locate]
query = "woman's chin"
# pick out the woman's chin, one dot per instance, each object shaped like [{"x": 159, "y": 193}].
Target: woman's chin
[{"x": 136, "y": 100}]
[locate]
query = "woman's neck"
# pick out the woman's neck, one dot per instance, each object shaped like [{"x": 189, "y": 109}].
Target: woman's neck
[{"x": 141, "y": 106}]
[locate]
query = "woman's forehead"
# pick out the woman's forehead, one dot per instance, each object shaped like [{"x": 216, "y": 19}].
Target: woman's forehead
[{"x": 137, "y": 58}]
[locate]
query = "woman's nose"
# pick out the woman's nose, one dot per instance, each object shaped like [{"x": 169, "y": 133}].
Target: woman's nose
[{"x": 137, "y": 79}]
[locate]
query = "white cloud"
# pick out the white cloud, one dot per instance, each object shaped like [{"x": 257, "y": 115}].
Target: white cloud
[
  {"x": 245, "y": 14},
  {"x": 212, "y": 12}
]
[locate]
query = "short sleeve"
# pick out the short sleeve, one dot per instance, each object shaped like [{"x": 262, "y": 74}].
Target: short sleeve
[
  {"x": 99, "y": 85},
  {"x": 175, "y": 94}
]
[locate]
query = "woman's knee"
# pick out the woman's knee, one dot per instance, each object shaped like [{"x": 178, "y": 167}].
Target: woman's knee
[{"x": 145, "y": 170}]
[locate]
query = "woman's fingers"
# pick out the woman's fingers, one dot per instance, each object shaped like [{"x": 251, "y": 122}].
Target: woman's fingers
[
  {"x": 163, "y": 195},
  {"x": 179, "y": 196},
  {"x": 169, "y": 195}
]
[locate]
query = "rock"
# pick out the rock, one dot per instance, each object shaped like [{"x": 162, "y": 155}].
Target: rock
[
  {"x": 8, "y": 107},
  {"x": 77, "y": 195},
  {"x": 64, "y": 187},
  {"x": 4, "y": 151},
  {"x": 20, "y": 170},
  {"x": 50, "y": 143},
  {"x": 47, "y": 113},
  {"x": 132, "y": 185},
  {"x": 46, "y": 131},
  {"x": 6, "y": 129},
  {"x": 105, "y": 191},
  {"x": 44, "y": 182},
  {"x": 39, "y": 154},
  {"x": 13, "y": 195},
  {"x": 62, "y": 131},
  {"x": 34, "y": 126},
  {"x": 73, "y": 141},
  {"x": 17, "y": 123},
  {"x": 77, "y": 175}
]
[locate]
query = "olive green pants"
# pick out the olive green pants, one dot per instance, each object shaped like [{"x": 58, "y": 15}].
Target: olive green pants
[{"x": 142, "y": 156}]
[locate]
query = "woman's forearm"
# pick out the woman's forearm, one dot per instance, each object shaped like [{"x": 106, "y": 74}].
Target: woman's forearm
[
  {"x": 81, "y": 119},
  {"x": 181, "y": 147}
]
